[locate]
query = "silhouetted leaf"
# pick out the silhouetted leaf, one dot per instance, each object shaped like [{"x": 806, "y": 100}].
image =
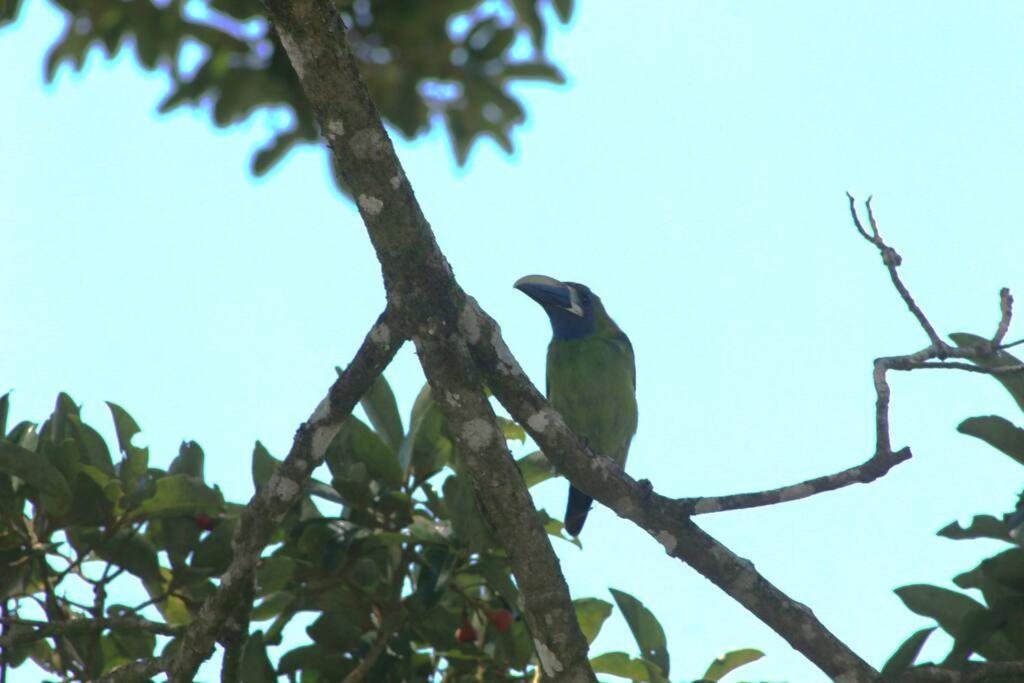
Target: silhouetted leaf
[
  {"x": 997, "y": 432},
  {"x": 256, "y": 666},
  {"x": 982, "y": 526},
  {"x": 179, "y": 494}
]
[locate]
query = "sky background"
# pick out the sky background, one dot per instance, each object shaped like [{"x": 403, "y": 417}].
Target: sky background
[{"x": 692, "y": 173}]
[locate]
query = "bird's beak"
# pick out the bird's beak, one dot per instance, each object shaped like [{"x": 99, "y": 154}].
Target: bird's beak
[{"x": 550, "y": 293}]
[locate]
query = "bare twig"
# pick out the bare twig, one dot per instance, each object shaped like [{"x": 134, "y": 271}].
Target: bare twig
[
  {"x": 877, "y": 466},
  {"x": 142, "y": 669},
  {"x": 264, "y": 512},
  {"x": 892, "y": 261}
]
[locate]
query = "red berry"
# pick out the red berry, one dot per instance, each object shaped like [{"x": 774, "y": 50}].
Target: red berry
[
  {"x": 466, "y": 633},
  {"x": 501, "y": 618},
  {"x": 204, "y": 521}
]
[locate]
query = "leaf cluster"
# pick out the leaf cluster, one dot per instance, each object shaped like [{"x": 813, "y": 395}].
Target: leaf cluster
[
  {"x": 391, "y": 554},
  {"x": 450, "y": 61},
  {"x": 994, "y": 627}
]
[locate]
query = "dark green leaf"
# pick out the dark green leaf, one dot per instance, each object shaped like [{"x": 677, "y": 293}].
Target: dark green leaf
[
  {"x": 179, "y": 494},
  {"x": 256, "y": 666},
  {"x": 730, "y": 661},
  {"x": 982, "y": 526},
  {"x": 380, "y": 406},
  {"x": 997, "y": 432},
  {"x": 136, "y": 460},
  {"x": 1007, "y": 568},
  {"x": 189, "y": 460},
  {"x": 263, "y": 465},
  {"x": 357, "y": 443},
  {"x": 592, "y": 613},
  {"x": 91, "y": 445},
  {"x": 34, "y": 469},
  {"x": 125, "y": 548},
  {"x": 646, "y": 630}
]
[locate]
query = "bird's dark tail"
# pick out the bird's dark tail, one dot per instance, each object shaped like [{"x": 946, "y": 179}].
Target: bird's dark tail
[{"x": 576, "y": 510}]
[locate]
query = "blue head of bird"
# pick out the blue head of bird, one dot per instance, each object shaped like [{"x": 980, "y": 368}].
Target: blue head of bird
[{"x": 572, "y": 308}]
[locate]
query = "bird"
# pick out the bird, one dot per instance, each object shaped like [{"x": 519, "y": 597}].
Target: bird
[{"x": 591, "y": 375}]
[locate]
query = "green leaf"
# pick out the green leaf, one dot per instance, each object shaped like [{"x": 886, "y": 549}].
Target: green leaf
[
  {"x": 189, "y": 460},
  {"x": 263, "y": 465},
  {"x": 425, "y": 449},
  {"x": 535, "y": 468},
  {"x": 380, "y": 406},
  {"x": 511, "y": 430},
  {"x": 136, "y": 460},
  {"x": 214, "y": 552},
  {"x": 730, "y": 661},
  {"x": 1007, "y": 568},
  {"x": 337, "y": 629},
  {"x": 982, "y": 526},
  {"x": 179, "y": 494},
  {"x": 620, "y": 664},
  {"x": 957, "y": 614},
  {"x": 256, "y": 666},
  {"x": 432, "y": 578},
  {"x": 592, "y": 613},
  {"x": 534, "y": 71},
  {"x": 34, "y": 469},
  {"x": 465, "y": 513},
  {"x": 646, "y": 630},
  {"x": 997, "y": 432},
  {"x": 357, "y": 443},
  {"x": 125, "y": 548},
  {"x": 94, "y": 450},
  {"x": 1013, "y": 383},
  {"x": 274, "y": 573}
]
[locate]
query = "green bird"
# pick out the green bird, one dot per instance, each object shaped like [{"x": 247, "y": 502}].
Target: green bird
[{"x": 591, "y": 375}]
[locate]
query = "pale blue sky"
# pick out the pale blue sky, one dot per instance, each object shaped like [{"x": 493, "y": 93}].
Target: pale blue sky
[{"x": 692, "y": 173}]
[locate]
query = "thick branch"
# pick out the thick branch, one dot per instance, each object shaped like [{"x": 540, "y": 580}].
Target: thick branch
[
  {"x": 264, "y": 512},
  {"x": 425, "y": 297}
]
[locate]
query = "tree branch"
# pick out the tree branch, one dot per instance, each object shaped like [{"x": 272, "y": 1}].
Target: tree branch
[
  {"x": 877, "y": 466},
  {"x": 264, "y": 512},
  {"x": 424, "y": 295},
  {"x": 53, "y": 629},
  {"x": 664, "y": 519}
]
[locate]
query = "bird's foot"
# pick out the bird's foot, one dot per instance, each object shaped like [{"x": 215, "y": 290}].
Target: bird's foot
[{"x": 646, "y": 488}]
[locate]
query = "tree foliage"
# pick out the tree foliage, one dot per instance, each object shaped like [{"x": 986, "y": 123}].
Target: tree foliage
[
  {"x": 448, "y": 62},
  {"x": 104, "y": 559},
  {"x": 994, "y": 627}
]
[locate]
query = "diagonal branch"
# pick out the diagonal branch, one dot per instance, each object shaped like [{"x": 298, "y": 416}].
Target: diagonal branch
[
  {"x": 664, "y": 519},
  {"x": 425, "y": 298},
  {"x": 264, "y": 512}
]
